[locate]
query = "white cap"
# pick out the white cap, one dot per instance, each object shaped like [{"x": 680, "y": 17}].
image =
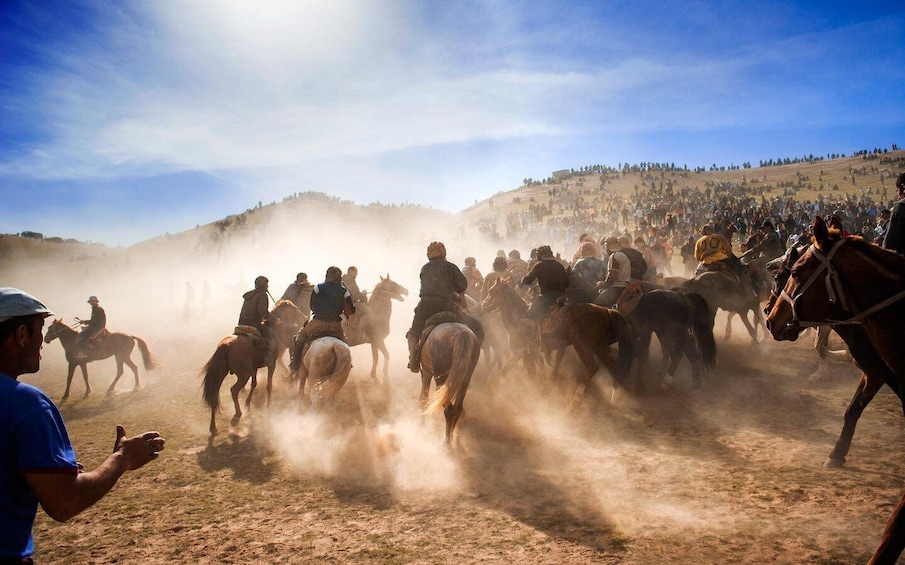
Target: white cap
[{"x": 15, "y": 303}]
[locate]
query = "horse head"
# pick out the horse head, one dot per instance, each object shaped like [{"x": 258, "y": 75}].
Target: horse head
[
  {"x": 801, "y": 300},
  {"x": 391, "y": 288},
  {"x": 54, "y": 331},
  {"x": 289, "y": 314},
  {"x": 500, "y": 296}
]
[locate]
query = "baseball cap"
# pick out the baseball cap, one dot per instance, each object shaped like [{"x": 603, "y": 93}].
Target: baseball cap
[{"x": 15, "y": 302}]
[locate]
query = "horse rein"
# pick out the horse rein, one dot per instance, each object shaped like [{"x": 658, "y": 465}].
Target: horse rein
[{"x": 833, "y": 289}]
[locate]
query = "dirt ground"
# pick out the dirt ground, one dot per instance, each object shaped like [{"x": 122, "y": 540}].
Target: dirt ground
[{"x": 730, "y": 473}]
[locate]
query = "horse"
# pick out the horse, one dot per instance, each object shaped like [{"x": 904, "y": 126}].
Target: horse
[
  {"x": 725, "y": 293},
  {"x": 238, "y": 355},
  {"x": 683, "y": 322},
  {"x": 448, "y": 357},
  {"x": 495, "y": 344},
  {"x": 590, "y": 329},
  {"x": 117, "y": 344},
  {"x": 875, "y": 372},
  {"x": 374, "y": 323},
  {"x": 524, "y": 343},
  {"x": 327, "y": 364},
  {"x": 857, "y": 282}
]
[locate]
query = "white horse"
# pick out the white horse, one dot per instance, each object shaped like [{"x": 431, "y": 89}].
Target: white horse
[{"x": 327, "y": 364}]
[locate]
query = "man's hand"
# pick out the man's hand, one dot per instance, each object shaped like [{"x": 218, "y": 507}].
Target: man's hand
[{"x": 138, "y": 450}]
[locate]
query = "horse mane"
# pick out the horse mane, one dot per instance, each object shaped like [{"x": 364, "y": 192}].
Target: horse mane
[
  {"x": 286, "y": 304},
  {"x": 892, "y": 265}
]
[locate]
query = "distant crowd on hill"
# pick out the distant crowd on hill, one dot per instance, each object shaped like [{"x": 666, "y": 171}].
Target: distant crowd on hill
[{"x": 662, "y": 210}]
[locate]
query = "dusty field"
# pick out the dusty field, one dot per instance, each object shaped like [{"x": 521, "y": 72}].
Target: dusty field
[{"x": 728, "y": 474}]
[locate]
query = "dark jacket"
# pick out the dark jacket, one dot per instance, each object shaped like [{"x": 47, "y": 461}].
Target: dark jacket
[
  {"x": 636, "y": 259},
  {"x": 97, "y": 322},
  {"x": 550, "y": 275},
  {"x": 330, "y": 300},
  {"x": 255, "y": 309},
  {"x": 894, "y": 239},
  {"x": 591, "y": 270},
  {"x": 441, "y": 280},
  {"x": 770, "y": 247}
]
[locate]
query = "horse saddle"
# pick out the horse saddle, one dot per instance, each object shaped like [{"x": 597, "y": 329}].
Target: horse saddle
[
  {"x": 630, "y": 297},
  {"x": 552, "y": 321},
  {"x": 97, "y": 338},
  {"x": 436, "y": 320}
]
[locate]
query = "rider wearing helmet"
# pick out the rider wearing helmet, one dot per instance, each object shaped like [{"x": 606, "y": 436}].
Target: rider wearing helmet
[{"x": 442, "y": 283}]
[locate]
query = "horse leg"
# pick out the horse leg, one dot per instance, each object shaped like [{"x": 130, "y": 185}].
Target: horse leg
[
  {"x": 752, "y": 331},
  {"x": 690, "y": 349},
  {"x": 867, "y": 389},
  {"x": 425, "y": 392},
  {"x": 84, "y": 367},
  {"x": 893, "y": 541},
  {"x": 119, "y": 373},
  {"x": 68, "y": 382},
  {"x": 134, "y": 368},
  {"x": 381, "y": 346},
  {"x": 452, "y": 413},
  {"x": 588, "y": 359},
  {"x": 270, "y": 371},
  {"x": 729, "y": 326},
  {"x": 374, "y": 359},
  {"x": 254, "y": 385},
  {"x": 234, "y": 390}
]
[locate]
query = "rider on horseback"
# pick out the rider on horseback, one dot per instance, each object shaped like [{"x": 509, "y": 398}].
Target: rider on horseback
[
  {"x": 619, "y": 274},
  {"x": 97, "y": 323},
  {"x": 552, "y": 279},
  {"x": 715, "y": 254},
  {"x": 329, "y": 302},
  {"x": 255, "y": 313},
  {"x": 442, "y": 283}
]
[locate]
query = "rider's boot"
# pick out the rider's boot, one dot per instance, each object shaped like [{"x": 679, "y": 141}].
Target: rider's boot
[
  {"x": 82, "y": 353},
  {"x": 298, "y": 349},
  {"x": 414, "y": 353}
]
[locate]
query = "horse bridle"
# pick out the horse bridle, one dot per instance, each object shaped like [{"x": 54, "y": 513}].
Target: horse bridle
[{"x": 834, "y": 291}]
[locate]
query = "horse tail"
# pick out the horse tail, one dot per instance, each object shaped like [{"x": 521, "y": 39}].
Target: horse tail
[
  {"x": 149, "y": 360},
  {"x": 626, "y": 340},
  {"x": 465, "y": 354},
  {"x": 214, "y": 371},
  {"x": 702, "y": 328},
  {"x": 330, "y": 386}
]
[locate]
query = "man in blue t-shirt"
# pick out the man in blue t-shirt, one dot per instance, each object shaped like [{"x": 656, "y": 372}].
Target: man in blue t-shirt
[{"x": 37, "y": 462}]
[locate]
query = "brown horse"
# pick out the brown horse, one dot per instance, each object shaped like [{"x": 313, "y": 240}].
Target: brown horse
[
  {"x": 238, "y": 355},
  {"x": 449, "y": 356},
  {"x": 374, "y": 323},
  {"x": 875, "y": 373},
  {"x": 327, "y": 363},
  {"x": 845, "y": 280},
  {"x": 524, "y": 341},
  {"x": 117, "y": 344}
]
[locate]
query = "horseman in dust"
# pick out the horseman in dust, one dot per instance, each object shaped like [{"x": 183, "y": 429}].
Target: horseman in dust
[
  {"x": 256, "y": 313},
  {"x": 442, "y": 286},
  {"x": 329, "y": 303},
  {"x": 97, "y": 323}
]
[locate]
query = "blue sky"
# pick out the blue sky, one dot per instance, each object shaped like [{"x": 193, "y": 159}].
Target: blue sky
[{"x": 120, "y": 121}]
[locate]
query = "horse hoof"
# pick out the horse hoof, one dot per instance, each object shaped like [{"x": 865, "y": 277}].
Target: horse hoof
[
  {"x": 65, "y": 398},
  {"x": 831, "y": 463},
  {"x": 235, "y": 421},
  {"x": 109, "y": 392}
]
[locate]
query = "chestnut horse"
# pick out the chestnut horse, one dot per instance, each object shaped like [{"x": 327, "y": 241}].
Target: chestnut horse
[
  {"x": 845, "y": 280},
  {"x": 327, "y": 363},
  {"x": 448, "y": 357},
  {"x": 524, "y": 342},
  {"x": 237, "y": 354},
  {"x": 875, "y": 373},
  {"x": 374, "y": 323},
  {"x": 117, "y": 344}
]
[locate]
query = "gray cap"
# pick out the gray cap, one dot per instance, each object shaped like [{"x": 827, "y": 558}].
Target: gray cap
[{"x": 14, "y": 303}]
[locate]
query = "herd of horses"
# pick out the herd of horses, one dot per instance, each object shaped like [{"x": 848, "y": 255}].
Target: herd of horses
[{"x": 837, "y": 281}]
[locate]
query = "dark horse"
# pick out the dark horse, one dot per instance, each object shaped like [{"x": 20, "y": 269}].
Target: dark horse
[
  {"x": 875, "y": 372},
  {"x": 117, "y": 344},
  {"x": 683, "y": 323},
  {"x": 589, "y": 328},
  {"x": 238, "y": 355},
  {"x": 725, "y": 293},
  {"x": 374, "y": 323},
  {"x": 449, "y": 356},
  {"x": 845, "y": 280}
]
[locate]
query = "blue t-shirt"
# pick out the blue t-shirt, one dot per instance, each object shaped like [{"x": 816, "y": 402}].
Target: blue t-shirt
[{"x": 33, "y": 439}]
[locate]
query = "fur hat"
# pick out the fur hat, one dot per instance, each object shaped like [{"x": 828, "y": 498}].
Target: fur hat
[
  {"x": 544, "y": 251},
  {"x": 436, "y": 249}
]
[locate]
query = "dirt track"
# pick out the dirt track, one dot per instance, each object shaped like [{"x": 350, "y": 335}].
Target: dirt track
[{"x": 728, "y": 474}]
